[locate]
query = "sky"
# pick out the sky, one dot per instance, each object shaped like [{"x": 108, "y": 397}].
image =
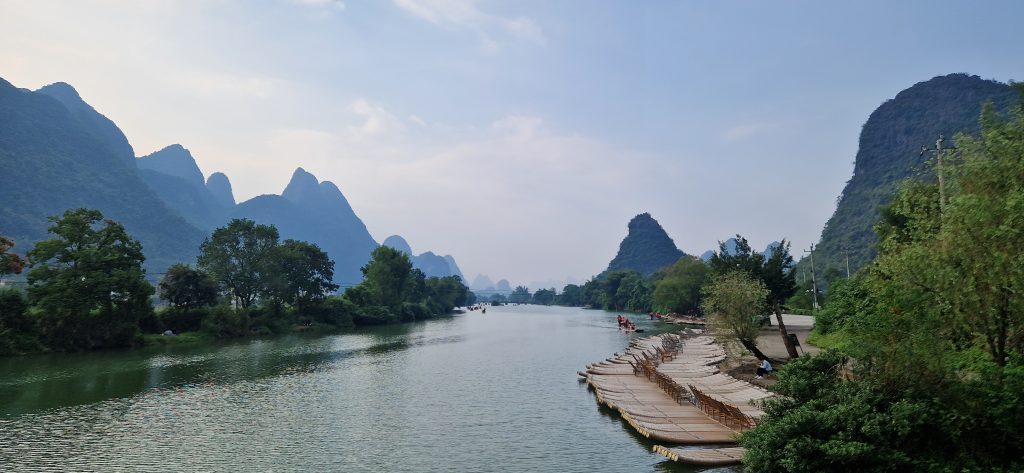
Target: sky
[{"x": 518, "y": 136}]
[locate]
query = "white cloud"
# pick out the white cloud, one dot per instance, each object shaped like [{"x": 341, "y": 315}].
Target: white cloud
[
  {"x": 376, "y": 120},
  {"x": 465, "y": 15},
  {"x": 439, "y": 187},
  {"x": 213, "y": 83}
]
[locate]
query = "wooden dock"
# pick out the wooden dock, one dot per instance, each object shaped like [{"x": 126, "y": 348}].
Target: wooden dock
[{"x": 671, "y": 390}]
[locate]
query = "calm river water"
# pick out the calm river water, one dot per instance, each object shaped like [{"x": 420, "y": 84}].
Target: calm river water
[{"x": 476, "y": 392}]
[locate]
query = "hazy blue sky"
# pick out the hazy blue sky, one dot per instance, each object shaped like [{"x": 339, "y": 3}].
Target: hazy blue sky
[{"x": 519, "y": 136}]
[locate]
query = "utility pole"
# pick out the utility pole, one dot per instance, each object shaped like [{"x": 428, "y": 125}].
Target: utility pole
[
  {"x": 938, "y": 165},
  {"x": 814, "y": 282}
]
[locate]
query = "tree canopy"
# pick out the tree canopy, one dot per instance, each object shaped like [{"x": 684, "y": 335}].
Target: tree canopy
[
  {"x": 238, "y": 257},
  {"x": 679, "y": 288},
  {"x": 88, "y": 282}
]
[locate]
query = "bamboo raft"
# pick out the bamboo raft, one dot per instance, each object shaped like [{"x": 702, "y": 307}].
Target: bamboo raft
[
  {"x": 672, "y": 391},
  {"x": 702, "y": 456}
]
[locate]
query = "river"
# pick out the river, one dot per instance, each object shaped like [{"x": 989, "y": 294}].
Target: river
[{"x": 474, "y": 392}]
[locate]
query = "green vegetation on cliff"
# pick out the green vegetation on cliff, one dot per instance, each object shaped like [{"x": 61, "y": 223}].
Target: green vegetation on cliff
[
  {"x": 931, "y": 367},
  {"x": 646, "y": 248},
  {"x": 890, "y": 151}
]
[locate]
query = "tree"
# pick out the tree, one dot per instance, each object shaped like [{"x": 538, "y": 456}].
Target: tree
[
  {"x": 88, "y": 282},
  {"x": 386, "y": 277},
  {"x": 572, "y": 296},
  {"x": 679, "y": 288},
  {"x": 301, "y": 274},
  {"x": 448, "y": 292},
  {"x": 10, "y": 263},
  {"x": 238, "y": 257},
  {"x": 520, "y": 295},
  {"x": 733, "y": 303},
  {"x": 544, "y": 296},
  {"x": 779, "y": 278},
  {"x": 775, "y": 271},
  {"x": 186, "y": 288}
]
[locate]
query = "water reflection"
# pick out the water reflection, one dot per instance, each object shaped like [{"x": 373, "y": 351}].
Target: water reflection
[{"x": 472, "y": 393}]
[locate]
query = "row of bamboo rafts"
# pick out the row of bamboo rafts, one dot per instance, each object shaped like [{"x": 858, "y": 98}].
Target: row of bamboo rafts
[{"x": 675, "y": 406}]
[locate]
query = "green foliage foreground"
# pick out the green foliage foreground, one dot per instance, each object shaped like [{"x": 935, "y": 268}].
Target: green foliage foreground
[{"x": 933, "y": 330}]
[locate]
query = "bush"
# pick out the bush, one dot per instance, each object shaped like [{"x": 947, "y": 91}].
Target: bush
[
  {"x": 847, "y": 298},
  {"x": 336, "y": 311},
  {"x": 17, "y": 332},
  {"x": 183, "y": 320},
  {"x": 225, "y": 322},
  {"x": 14, "y": 311},
  {"x": 375, "y": 315},
  {"x": 412, "y": 312}
]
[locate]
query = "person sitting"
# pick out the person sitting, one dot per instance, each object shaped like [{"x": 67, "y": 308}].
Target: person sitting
[{"x": 764, "y": 370}]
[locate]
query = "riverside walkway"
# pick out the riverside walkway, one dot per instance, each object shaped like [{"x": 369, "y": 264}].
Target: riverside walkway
[{"x": 670, "y": 389}]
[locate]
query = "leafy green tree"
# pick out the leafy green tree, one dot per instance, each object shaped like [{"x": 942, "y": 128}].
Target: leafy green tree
[
  {"x": 448, "y": 292},
  {"x": 386, "y": 278},
  {"x": 88, "y": 282},
  {"x": 187, "y": 288},
  {"x": 779, "y": 278},
  {"x": 775, "y": 271},
  {"x": 679, "y": 288},
  {"x": 626, "y": 290},
  {"x": 238, "y": 257},
  {"x": 733, "y": 303},
  {"x": 572, "y": 296},
  {"x": 847, "y": 298},
  {"x": 520, "y": 295},
  {"x": 301, "y": 274},
  {"x": 592, "y": 294},
  {"x": 544, "y": 296}
]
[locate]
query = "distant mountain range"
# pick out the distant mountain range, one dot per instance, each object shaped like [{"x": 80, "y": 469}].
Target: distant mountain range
[
  {"x": 58, "y": 152},
  {"x": 730, "y": 248},
  {"x": 890, "y": 151},
  {"x": 428, "y": 262}
]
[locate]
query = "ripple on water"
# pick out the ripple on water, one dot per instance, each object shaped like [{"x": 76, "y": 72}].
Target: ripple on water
[{"x": 496, "y": 392}]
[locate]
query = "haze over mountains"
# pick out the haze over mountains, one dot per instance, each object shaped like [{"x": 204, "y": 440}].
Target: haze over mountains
[
  {"x": 428, "y": 262},
  {"x": 59, "y": 153}
]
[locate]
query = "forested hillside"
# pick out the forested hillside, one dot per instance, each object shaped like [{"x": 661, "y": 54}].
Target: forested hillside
[
  {"x": 646, "y": 248},
  {"x": 890, "y": 151},
  {"x": 61, "y": 154}
]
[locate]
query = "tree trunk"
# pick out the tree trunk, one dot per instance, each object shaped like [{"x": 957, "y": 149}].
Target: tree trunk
[
  {"x": 790, "y": 348},
  {"x": 752, "y": 348}
]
